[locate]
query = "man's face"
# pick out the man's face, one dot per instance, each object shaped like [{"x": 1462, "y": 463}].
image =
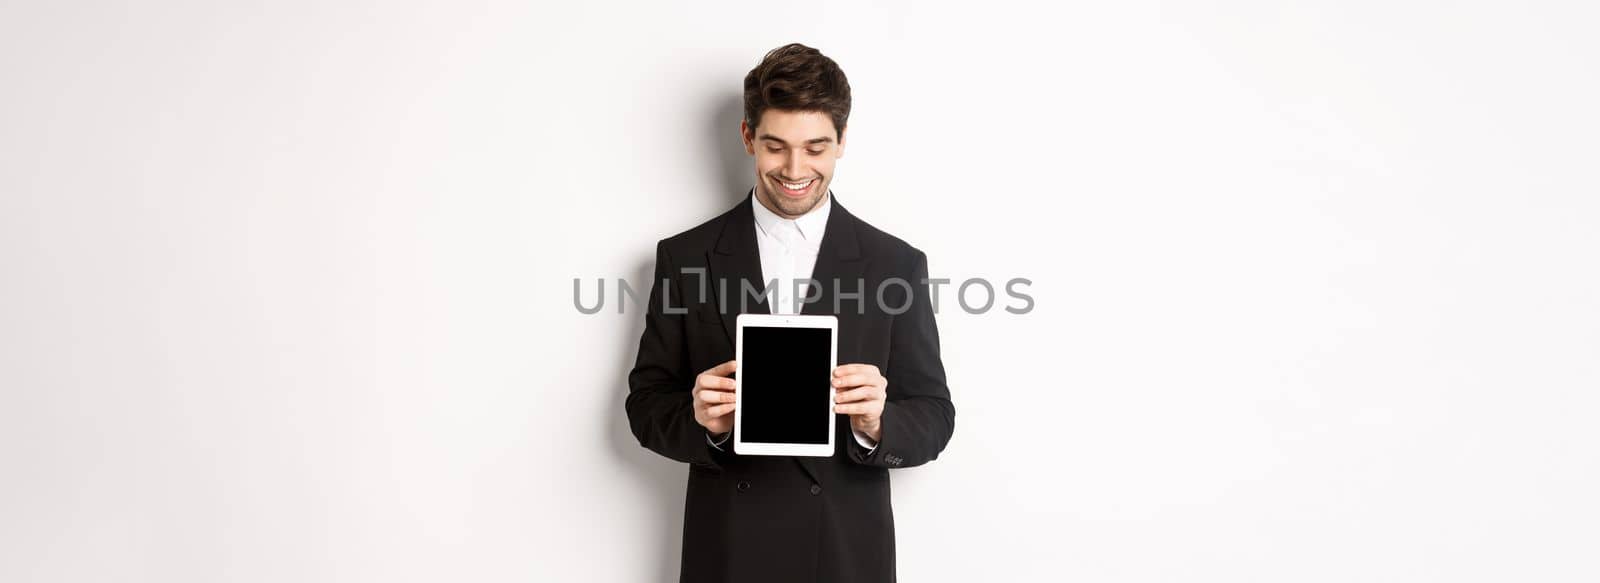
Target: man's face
[{"x": 793, "y": 148}]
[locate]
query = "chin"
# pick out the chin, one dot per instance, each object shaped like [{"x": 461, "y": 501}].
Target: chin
[
  {"x": 798, "y": 206},
  {"x": 795, "y": 207}
]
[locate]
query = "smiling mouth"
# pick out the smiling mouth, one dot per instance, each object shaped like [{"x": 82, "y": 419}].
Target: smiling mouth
[{"x": 797, "y": 188}]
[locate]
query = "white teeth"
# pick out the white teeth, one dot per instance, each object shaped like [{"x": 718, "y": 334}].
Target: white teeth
[{"x": 800, "y": 186}]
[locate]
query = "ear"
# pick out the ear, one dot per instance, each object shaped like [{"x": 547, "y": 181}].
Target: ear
[
  {"x": 839, "y": 153},
  {"x": 747, "y": 134}
]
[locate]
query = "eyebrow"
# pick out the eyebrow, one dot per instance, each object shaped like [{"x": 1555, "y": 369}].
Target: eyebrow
[{"x": 821, "y": 140}]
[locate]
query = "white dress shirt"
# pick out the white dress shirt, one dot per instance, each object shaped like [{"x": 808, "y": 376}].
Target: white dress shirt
[{"x": 788, "y": 254}]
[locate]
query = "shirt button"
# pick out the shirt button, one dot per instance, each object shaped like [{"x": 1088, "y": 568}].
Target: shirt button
[
  {"x": 815, "y": 489},
  {"x": 743, "y": 485}
]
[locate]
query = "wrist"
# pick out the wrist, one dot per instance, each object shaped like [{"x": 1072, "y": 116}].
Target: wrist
[{"x": 872, "y": 430}]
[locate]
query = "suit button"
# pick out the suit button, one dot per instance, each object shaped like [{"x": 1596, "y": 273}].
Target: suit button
[
  {"x": 815, "y": 489},
  {"x": 743, "y": 485}
]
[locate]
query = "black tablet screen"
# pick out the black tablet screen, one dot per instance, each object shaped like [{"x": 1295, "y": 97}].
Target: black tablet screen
[{"x": 785, "y": 384}]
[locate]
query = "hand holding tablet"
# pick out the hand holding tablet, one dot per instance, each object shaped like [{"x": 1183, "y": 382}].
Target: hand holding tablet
[
  {"x": 860, "y": 391},
  {"x": 713, "y": 398}
]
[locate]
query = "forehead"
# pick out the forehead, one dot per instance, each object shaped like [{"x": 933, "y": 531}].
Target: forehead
[{"x": 796, "y": 127}]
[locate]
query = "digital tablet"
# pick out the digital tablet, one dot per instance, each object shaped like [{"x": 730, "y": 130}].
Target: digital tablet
[{"x": 783, "y": 385}]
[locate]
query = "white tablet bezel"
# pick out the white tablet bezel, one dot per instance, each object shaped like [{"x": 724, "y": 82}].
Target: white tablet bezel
[{"x": 742, "y": 447}]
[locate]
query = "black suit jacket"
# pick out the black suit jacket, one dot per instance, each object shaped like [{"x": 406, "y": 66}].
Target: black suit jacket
[{"x": 780, "y": 519}]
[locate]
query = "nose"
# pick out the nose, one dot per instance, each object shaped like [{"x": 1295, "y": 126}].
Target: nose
[{"x": 793, "y": 168}]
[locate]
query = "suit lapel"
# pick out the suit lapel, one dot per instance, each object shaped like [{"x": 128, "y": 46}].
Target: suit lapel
[
  {"x": 734, "y": 263},
  {"x": 838, "y": 266}
]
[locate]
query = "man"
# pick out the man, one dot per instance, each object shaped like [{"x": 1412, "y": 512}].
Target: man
[{"x": 776, "y": 519}]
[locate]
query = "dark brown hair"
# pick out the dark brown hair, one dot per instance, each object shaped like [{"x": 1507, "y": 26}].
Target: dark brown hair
[{"x": 795, "y": 77}]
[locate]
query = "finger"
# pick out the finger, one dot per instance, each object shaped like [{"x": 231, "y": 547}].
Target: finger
[
  {"x": 714, "y": 397},
  {"x": 719, "y": 410},
  {"x": 854, "y": 368},
  {"x": 709, "y": 381},
  {"x": 859, "y": 394},
  {"x": 855, "y": 380},
  {"x": 859, "y": 408},
  {"x": 724, "y": 369}
]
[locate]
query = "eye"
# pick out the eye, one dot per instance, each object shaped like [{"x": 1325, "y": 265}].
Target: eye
[
  {"x": 814, "y": 152},
  {"x": 774, "y": 150}
]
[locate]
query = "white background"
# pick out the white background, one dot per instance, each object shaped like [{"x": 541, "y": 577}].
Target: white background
[{"x": 287, "y": 286}]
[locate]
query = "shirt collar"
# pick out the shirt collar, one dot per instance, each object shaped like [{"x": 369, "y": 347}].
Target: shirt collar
[{"x": 810, "y": 225}]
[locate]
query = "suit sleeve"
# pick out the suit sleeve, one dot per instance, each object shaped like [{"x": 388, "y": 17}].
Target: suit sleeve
[
  {"x": 918, "y": 417},
  {"x": 659, "y": 409}
]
